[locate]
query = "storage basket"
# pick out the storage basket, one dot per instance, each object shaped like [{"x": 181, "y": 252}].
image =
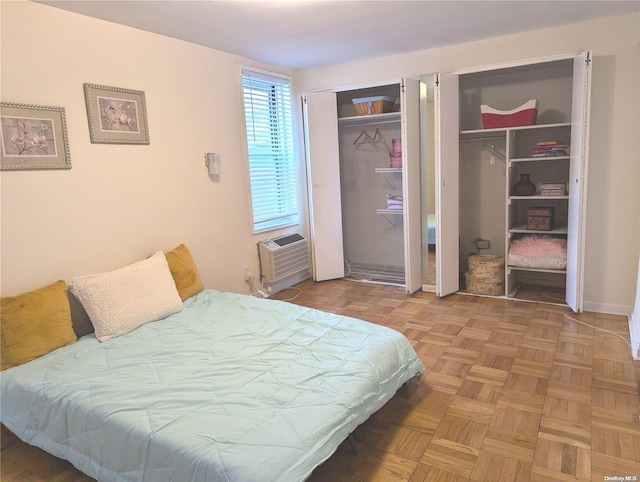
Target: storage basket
[
  {"x": 486, "y": 266},
  {"x": 485, "y": 275},
  {"x": 525, "y": 115},
  {"x": 484, "y": 286},
  {"x": 373, "y": 105}
]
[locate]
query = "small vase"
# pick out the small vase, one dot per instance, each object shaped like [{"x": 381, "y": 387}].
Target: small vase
[{"x": 524, "y": 187}]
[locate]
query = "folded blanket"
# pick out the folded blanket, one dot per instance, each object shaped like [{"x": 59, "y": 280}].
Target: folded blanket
[
  {"x": 538, "y": 251},
  {"x": 394, "y": 202}
]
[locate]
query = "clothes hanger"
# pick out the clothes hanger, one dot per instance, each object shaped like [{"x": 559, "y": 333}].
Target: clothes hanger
[
  {"x": 378, "y": 137},
  {"x": 366, "y": 135}
]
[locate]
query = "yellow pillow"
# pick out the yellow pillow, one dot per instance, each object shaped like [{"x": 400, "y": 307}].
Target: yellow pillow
[
  {"x": 34, "y": 323},
  {"x": 184, "y": 271}
]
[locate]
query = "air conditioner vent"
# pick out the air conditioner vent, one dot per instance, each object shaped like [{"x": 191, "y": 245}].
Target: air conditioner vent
[
  {"x": 285, "y": 240},
  {"x": 283, "y": 257}
]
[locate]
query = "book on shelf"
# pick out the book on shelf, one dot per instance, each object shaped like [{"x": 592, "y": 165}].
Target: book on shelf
[{"x": 550, "y": 149}]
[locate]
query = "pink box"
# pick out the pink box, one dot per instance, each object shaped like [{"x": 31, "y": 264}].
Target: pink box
[
  {"x": 395, "y": 160},
  {"x": 525, "y": 115}
]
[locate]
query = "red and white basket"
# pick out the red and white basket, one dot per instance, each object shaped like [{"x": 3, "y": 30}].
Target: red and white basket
[{"x": 525, "y": 115}]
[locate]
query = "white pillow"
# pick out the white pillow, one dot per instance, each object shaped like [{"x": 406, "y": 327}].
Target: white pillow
[{"x": 119, "y": 301}]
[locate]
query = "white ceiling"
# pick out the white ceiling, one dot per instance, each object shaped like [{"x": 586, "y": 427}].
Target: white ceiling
[{"x": 309, "y": 34}]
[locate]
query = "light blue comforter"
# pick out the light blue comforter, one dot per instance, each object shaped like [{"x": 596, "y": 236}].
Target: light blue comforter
[{"x": 233, "y": 388}]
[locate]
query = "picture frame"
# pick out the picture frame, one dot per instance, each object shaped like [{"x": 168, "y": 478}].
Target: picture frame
[
  {"x": 116, "y": 115},
  {"x": 33, "y": 137}
]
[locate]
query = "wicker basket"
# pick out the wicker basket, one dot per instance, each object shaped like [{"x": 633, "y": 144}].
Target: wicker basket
[
  {"x": 486, "y": 266},
  {"x": 485, "y": 275},
  {"x": 484, "y": 286},
  {"x": 373, "y": 105}
]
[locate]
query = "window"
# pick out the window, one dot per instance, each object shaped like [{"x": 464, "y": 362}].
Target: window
[{"x": 269, "y": 130}]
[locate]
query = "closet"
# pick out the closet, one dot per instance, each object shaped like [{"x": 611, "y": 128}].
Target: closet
[
  {"x": 364, "y": 205},
  {"x": 479, "y": 208}
]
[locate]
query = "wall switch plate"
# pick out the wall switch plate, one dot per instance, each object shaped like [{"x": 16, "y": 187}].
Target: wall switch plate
[{"x": 213, "y": 160}]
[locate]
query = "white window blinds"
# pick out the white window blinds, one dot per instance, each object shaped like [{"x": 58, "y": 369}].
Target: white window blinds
[{"x": 269, "y": 130}]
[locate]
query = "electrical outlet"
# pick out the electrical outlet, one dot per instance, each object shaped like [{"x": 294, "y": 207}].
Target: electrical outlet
[
  {"x": 482, "y": 243},
  {"x": 247, "y": 274}
]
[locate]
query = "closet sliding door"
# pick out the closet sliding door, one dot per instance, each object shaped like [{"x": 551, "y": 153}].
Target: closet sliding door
[
  {"x": 581, "y": 100},
  {"x": 410, "y": 103},
  {"x": 447, "y": 140},
  {"x": 323, "y": 184}
]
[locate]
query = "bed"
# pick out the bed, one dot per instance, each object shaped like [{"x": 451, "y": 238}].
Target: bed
[
  {"x": 227, "y": 388},
  {"x": 431, "y": 229}
]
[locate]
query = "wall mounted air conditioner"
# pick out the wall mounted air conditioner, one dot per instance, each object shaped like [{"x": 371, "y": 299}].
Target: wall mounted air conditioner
[{"x": 284, "y": 257}]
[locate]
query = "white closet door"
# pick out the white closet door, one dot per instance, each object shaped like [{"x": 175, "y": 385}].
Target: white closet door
[
  {"x": 447, "y": 127},
  {"x": 410, "y": 98},
  {"x": 323, "y": 178},
  {"x": 578, "y": 179}
]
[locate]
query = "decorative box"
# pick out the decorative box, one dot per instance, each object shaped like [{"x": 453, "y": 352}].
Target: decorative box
[
  {"x": 525, "y": 115},
  {"x": 553, "y": 188},
  {"x": 373, "y": 105},
  {"x": 395, "y": 160},
  {"x": 540, "y": 218}
]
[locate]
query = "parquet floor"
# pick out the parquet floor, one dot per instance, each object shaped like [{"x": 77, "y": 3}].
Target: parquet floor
[{"x": 512, "y": 391}]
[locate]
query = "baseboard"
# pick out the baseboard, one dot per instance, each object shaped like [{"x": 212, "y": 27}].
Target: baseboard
[
  {"x": 634, "y": 332},
  {"x": 607, "y": 308},
  {"x": 429, "y": 288},
  {"x": 622, "y": 310}
]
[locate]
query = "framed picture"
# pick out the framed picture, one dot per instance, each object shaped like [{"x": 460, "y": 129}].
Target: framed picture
[
  {"x": 116, "y": 116},
  {"x": 33, "y": 137}
]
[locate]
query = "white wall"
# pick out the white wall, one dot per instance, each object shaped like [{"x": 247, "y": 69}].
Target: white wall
[
  {"x": 613, "y": 211},
  {"x": 121, "y": 203},
  {"x": 634, "y": 322}
]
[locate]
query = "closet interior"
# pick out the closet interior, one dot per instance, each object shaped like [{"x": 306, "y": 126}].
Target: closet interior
[
  {"x": 521, "y": 185},
  {"x": 415, "y": 194},
  {"x": 370, "y": 151}
]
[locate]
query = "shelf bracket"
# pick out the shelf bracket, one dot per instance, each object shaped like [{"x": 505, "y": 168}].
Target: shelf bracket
[
  {"x": 390, "y": 184},
  {"x": 389, "y": 221}
]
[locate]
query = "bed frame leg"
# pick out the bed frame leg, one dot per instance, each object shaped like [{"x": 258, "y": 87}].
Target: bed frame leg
[{"x": 351, "y": 439}]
